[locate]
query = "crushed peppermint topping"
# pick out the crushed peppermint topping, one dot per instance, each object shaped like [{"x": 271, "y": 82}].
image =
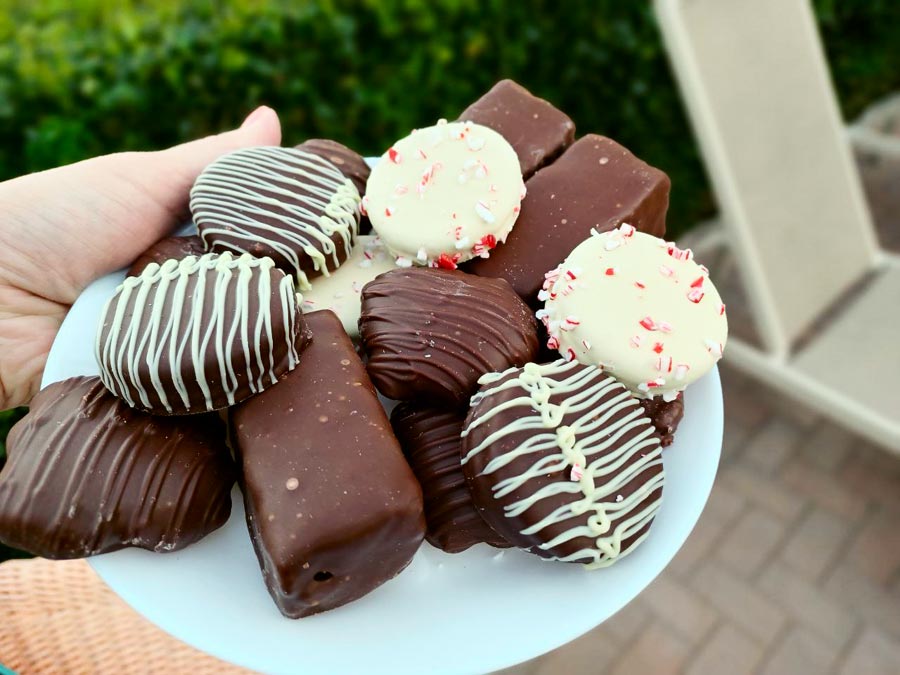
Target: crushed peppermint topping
[
  {"x": 576, "y": 473},
  {"x": 401, "y": 261},
  {"x": 695, "y": 295},
  {"x": 484, "y": 212},
  {"x": 394, "y": 156}
]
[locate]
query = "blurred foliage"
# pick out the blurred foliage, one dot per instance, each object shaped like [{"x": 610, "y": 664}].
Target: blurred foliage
[{"x": 84, "y": 77}]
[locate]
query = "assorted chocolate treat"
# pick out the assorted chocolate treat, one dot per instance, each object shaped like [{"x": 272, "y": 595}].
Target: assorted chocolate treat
[
  {"x": 536, "y": 130},
  {"x": 670, "y": 326},
  {"x": 562, "y": 461},
  {"x": 88, "y": 474},
  {"x": 433, "y": 332},
  {"x": 333, "y": 509},
  {"x": 282, "y": 203},
  {"x": 199, "y": 334},
  {"x": 445, "y": 194},
  {"x": 595, "y": 185},
  {"x": 431, "y": 439},
  {"x": 541, "y": 431}
]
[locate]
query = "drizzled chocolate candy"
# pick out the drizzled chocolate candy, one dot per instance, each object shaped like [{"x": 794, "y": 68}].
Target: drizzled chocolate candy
[
  {"x": 199, "y": 334},
  {"x": 562, "y": 461},
  {"x": 286, "y": 204},
  {"x": 170, "y": 248},
  {"x": 332, "y": 507},
  {"x": 434, "y": 332},
  {"x": 536, "y": 130},
  {"x": 595, "y": 184},
  {"x": 87, "y": 475},
  {"x": 431, "y": 441}
]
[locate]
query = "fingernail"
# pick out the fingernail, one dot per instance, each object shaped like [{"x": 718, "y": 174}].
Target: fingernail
[{"x": 254, "y": 116}]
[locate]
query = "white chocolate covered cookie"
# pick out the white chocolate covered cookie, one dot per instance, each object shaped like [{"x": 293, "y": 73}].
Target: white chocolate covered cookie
[
  {"x": 445, "y": 194},
  {"x": 637, "y": 306},
  {"x": 342, "y": 291}
]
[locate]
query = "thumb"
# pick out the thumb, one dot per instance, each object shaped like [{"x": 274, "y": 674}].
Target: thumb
[
  {"x": 174, "y": 170},
  {"x": 188, "y": 159}
]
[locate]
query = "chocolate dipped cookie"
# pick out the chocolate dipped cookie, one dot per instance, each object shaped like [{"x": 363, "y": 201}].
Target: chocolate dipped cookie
[
  {"x": 433, "y": 332},
  {"x": 286, "y": 204},
  {"x": 445, "y": 194},
  {"x": 332, "y": 507},
  {"x": 562, "y": 461},
  {"x": 431, "y": 442},
  {"x": 199, "y": 334},
  {"x": 87, "y": 474}
]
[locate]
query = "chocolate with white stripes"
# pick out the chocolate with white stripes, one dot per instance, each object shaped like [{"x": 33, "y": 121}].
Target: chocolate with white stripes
[
  {"x": 292, "y": 206},
  {"x": 562, "y": 461},
  {"x": 87, "y": 475},
  {"x": 199, "y": 334}
]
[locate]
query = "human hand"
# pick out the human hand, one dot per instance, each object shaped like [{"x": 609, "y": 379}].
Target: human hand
[{"x": 63, "y": 228}]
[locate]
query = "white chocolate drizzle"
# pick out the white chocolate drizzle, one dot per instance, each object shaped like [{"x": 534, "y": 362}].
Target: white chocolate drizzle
[
  {"x": 288, "y": 200},
  {"x": 601, "y": 413},
  {"x": 149, "y": 324}
]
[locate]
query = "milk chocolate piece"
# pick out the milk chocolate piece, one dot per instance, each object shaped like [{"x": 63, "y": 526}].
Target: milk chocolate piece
[
  {"x": 87, "y": 475},
  {"x": 434, "y": 332},
  {"x": 595, "y": 184},
  {"x": 170, "y": 248},
  {"x": 431, "y": 441},
  {"x": 562, "y": 461},
  {"x": 665, "y": 415},
  {"x": 333, "y": 509},
  {"x": 537, "y": 130},
  {"x": 199, "y": 334},
  {"x": 286, "y": 204}
]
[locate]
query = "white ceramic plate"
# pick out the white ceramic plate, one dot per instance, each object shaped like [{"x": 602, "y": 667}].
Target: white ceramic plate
[{"x": 472, "y": 612}]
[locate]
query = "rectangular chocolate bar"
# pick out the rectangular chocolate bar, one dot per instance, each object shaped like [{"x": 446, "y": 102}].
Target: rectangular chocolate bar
[
  {"x": 596, "y": 183},
  {"x": 536, "y": 130},
  {"x": 333, "y": 508}
]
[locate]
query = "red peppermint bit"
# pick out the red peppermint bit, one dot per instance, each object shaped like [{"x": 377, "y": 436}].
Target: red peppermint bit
[
  {"x": 648, "y": 323},
  {"x": 697, "y": 283},
  {"x": 681, "y": 370},
  {"x": 422, "y": 154},
  {"x": 640, "y": 284},
  {"x": 586, "y": 345},
  {"x": 635, "y": 341},
  {"x": 664, "y": 364},
  {"x": 363, "y": 205},
  {"x": 627, "y": 230},
  {"x": 610, "y": 271},
  {"x": 570, "y": 354},
  {"x": 516, "y": 208},
  {"x": 576, "y": 473},
  {"x": 666, "y": 271},
  {"x": 703, "y": 269},
  {"x": 722, "y": 309},
  {"x": 388, "y": 211},
  {"x": 696, "y": 295},
  {"x": 368, "y": 255},
  {"x": 665, "y": 327},
  {"x": 447, "y": 262},
  {"x": 394, "y": 156},
  {"x": 553, "y": 342},
  {"x": 658, "y": 347},
  {"x": 571, "y": 274}
]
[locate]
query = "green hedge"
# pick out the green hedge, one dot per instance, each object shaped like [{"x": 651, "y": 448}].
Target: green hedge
[{"x": 84, "y": 77}]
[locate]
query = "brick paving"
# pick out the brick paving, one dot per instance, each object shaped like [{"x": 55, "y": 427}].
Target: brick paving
[{"x": 794, "y": 567}]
